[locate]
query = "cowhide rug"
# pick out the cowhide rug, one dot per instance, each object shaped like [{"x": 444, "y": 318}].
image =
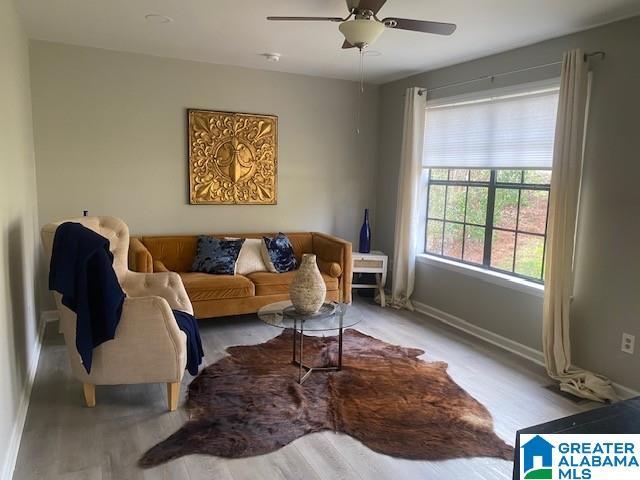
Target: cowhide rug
[{"x": 249, "y": 403}]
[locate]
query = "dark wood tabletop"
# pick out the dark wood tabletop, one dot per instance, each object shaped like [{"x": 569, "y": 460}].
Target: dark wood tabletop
[{"x": 620, "y": 417}]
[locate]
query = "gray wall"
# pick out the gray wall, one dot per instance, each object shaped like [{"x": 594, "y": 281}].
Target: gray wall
[
  {"x": 18, "y": 227},
  {"x": 607, "y": 300},
  {"x": 110, "y": 133}
]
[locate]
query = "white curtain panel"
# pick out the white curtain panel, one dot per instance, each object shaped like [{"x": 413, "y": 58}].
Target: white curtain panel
[
  {"x": 561, "y": 230},
  {"x": 407, "y": 206}
]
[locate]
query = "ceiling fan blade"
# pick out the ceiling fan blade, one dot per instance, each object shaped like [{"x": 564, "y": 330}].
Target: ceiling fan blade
[
  {"x": 373, "y": 5},
  {"x": 307, "y": 19},
  {"x": 420, "y": 25},
  {"x": 351, "y": 4},
  {"x": 347, "y": 45}
]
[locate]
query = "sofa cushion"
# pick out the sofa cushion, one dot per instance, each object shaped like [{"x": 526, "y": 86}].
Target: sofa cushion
[
  {"x": 205, "y": 286},
  {"x": 268, "y": 283}
]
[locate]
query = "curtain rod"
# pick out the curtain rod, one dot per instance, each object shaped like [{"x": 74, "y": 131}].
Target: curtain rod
[{"x": 600, "y": 54}]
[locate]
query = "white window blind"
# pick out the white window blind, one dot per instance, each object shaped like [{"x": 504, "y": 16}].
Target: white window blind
[{"x": 509, "y": 131}]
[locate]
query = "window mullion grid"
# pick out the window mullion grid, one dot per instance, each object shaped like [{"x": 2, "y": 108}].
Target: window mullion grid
[
  {"x": 426, "y": 227},
  {"x": 464, "y": 219},
  {"x": 459, "y": 183},
  {"x": 488, "y": 235},
  {"x": 525, "y": 186},
  {"x": 491, "y": 186},
  {"x": 444, "y": 215},
  {"x": 515, "y": 240},
  {"x": 511, "y": 230},
  {"x": 544, "y": 247},
  {"x": 457, "y": 222}
]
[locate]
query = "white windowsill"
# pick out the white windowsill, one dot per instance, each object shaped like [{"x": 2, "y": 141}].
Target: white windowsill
[{"x": 490, "y": 276}]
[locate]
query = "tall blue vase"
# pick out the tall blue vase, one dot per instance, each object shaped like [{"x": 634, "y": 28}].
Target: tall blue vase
[{"x": 365, "y": 234}]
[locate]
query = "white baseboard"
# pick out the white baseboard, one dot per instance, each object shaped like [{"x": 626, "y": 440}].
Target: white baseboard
[
  {"x": 505, "y": 343},
  {"x": 512, "y": 346},
  {"x": 49, "y": 316},
  {"x": 624, "y": 392},
  {"x": 21, "y": 416}
]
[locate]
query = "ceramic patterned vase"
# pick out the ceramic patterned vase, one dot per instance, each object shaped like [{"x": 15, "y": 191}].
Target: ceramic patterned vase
[{"x": 307, "y": 290}]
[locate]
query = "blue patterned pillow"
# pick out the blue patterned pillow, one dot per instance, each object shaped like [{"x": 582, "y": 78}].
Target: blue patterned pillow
[
  {"x": 217, "y": 256},
  {"x": 279, "y": 254}
]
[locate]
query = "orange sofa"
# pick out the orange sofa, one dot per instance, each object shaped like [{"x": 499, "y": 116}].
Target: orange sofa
[{"x": 222, "y": 295}]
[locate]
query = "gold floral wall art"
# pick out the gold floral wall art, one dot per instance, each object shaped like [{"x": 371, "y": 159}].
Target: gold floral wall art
[{"x": 233, "y": 158}]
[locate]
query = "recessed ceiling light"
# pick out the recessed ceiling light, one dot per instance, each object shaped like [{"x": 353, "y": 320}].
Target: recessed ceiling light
[
  {"x": 271, "y": 57},
  {"x": 156, "y": 18}
]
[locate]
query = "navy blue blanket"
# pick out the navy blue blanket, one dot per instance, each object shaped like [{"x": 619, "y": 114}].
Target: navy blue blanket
[
  {"x": 189, "y": 325},
  {"x": 82, "y": 272}
]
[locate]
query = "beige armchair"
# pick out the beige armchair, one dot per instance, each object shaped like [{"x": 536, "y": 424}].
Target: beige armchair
[{"x": 148, "y": 346}]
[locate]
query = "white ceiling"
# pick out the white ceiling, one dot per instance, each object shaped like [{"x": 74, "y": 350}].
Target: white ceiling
[{"x": 234, "y": 32}]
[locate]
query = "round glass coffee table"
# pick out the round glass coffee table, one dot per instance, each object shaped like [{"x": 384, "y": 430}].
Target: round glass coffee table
[{"x": 332, "y": 316}]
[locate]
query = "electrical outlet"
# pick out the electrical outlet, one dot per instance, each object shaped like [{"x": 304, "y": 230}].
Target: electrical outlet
[{"x": 628, "y": 343}]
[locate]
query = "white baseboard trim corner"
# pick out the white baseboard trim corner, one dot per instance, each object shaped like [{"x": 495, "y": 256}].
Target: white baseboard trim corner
[
  {"x": 49, "y": 316},
  {"x": 624, "y": 392},
  {"x": 11, "y": 455},
  {"x": 505, "y": 343}
]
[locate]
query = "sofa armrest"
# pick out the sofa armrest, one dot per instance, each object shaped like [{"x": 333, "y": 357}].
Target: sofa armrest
[
  {"x": 148, "y": 346},
  {"x": 158, "y": 266},
  {"x": 329, "y": 249},
  {"x": 148, "y": 325},
  {"x": 167, "y": 285},
  {"x": 333, "y": 269},
  {"x": 140, "y": 259}
]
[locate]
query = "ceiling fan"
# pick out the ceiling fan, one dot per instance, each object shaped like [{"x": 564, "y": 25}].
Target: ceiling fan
[{"x": 362, "y": 26}]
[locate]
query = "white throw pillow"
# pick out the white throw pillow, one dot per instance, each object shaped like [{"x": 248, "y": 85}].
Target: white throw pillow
[{"x": 250, "y": 257}]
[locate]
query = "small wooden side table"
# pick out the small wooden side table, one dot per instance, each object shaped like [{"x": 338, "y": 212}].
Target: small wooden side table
[{"x": 374, "y": 262}]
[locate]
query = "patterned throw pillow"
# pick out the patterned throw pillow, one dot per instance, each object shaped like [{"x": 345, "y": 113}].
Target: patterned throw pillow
[
  {"x": 217, "y": 256},
  {"x": 278, "y": 254}
]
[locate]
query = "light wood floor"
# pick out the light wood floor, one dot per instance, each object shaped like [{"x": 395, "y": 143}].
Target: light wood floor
[{"x": 63, "y": 439}]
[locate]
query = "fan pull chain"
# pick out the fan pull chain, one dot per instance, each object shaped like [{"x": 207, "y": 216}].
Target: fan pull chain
[
  {"x": 360, "y": 94},
  {"x": 361, "y": 70}
]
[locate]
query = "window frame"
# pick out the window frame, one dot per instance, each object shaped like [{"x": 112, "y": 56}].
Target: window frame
[{"x": 492, "y": 185}]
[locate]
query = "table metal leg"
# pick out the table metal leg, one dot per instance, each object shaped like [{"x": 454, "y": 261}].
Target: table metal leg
[
  {"x": 340, "y": 349},
  {"x": 295, "y": 332},
  {"x": 340, "y": 335},
  {"x": 304, "y": 371},
  {"x": 300, "y": 357}
]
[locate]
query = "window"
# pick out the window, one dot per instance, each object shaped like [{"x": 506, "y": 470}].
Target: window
[
  {"x": 492, "y": 218},
  {"x": 488, "y": 164}
]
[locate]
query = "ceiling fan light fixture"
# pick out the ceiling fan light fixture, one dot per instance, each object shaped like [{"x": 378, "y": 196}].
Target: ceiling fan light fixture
[{"x": 361, "y": 32}]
